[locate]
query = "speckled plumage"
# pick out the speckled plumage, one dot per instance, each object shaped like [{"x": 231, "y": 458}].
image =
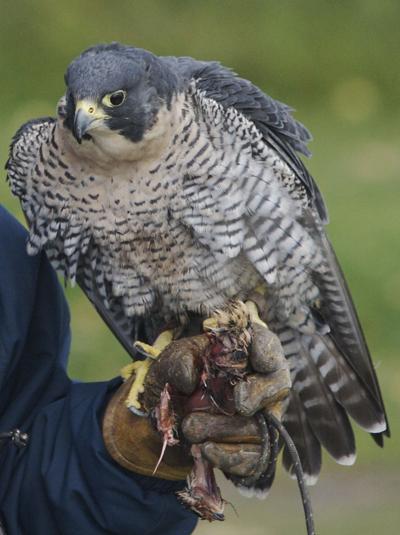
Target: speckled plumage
[
  {"x": 186, "y": 230},
  {"x": 204, "y": 202}
]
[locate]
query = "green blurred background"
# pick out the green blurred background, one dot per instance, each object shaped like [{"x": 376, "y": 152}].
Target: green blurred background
[{"x": 337, "y": 63}]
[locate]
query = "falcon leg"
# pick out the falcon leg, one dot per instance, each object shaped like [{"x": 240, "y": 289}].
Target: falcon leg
[
  {"x": 141, "y": 367},
  {"x": 254, "y": 315}
]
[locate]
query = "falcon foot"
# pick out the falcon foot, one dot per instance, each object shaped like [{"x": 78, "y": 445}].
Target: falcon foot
[
  {"x": 141, "y": 367},
  {"x": 254, "y": 315}
]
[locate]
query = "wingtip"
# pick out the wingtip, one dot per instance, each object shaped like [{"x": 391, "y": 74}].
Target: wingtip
[
  {"x": 347, "y": 460},
  {"x": 378, "y": 427},
  {"x": 261, "y": 494},
  {"x": 309, "y": 479},
  {"x": 246, "y": 492},
  {"x": 252, "y": 492}
]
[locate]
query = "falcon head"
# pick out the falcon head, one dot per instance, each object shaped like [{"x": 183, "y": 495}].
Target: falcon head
[{"x": 115, "y": 90}]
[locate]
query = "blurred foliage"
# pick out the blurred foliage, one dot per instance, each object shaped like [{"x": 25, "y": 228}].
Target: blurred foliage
[{"x": 337, "y": 63}]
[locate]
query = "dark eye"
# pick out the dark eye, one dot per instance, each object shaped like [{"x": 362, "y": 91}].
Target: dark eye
[{"x": 114, "y": 99}]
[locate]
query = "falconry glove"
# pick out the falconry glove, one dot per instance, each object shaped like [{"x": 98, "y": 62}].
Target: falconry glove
[{"x": 229, "y": 437}]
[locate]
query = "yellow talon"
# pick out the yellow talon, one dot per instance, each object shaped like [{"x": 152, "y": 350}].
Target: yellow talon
[
  {"x": 128, "y": 370},
  {"x": 163, "y": 340},
  {"x": 137, "y": 387},
  {"x": 150, "y": 351},
  {"x": 141, "y": 367},
  {"x": 253, "y": 313},
  {"x": 210, "y": 324},
  {"x": 261, "y": 289}
]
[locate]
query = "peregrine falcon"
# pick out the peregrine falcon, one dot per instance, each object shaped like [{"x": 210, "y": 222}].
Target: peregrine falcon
[{"x": 167, "y": 186}]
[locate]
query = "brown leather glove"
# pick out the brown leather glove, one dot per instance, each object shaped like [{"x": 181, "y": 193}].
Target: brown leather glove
[
  {"x": 232, "y": 443},
  {"x": 134, "y": 443},
  {"x": 229, "y": 442}
]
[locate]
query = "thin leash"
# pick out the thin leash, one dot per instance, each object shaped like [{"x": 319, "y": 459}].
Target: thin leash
[{"x": 305, "y": 496}]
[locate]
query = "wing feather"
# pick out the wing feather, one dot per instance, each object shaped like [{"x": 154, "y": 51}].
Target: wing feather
[{"x": 272, "y": 118}]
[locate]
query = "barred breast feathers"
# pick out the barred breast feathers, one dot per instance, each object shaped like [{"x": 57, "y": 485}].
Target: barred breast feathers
[{"x": 215, "y": 176}]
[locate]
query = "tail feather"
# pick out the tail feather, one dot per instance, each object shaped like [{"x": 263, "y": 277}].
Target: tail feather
[
  {"x": 345, "y": 386},
  {"x": 326, "y": 417},
  {"x": 346, "y": 332},
  {"x": 308, "y": 446}
]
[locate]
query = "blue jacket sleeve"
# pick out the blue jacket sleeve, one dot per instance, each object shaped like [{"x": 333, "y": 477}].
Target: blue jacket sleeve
[
  {"x": 64, "y": 481},
  {"x": 34, "y": 329}
]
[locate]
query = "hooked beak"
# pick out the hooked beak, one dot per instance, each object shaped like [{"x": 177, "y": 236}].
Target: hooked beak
[{"x": 86, "y": 113}]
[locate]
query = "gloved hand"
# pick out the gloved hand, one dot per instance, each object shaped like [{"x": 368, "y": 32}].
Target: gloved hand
[{"x": 230, "y": 442}]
